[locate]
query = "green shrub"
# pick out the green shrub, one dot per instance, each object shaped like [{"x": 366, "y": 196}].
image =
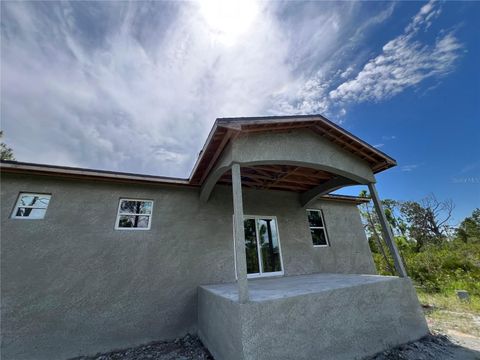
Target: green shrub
[
  {"x": 442, "y": 268},
  {"x": 445, "y": 268}
]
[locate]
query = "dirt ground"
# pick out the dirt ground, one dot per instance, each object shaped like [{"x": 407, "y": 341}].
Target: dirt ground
[
  {"x": 455, "y": 346},
  {"x": 431, "y": 347},
  {"x": 455, "y": 336}
]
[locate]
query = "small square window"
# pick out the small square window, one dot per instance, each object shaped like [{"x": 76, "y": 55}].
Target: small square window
[
  {"x": 31, "y": 206},
  {"x": 134, "y": 214},
  {"x": 317, "y": 228}
]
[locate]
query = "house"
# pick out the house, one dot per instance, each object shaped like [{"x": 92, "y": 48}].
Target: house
[{"x": 251, "y": 252}]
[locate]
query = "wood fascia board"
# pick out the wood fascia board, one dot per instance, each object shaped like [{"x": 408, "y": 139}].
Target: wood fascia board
[
  {"x": 216, "y": 155},
  {"x": 88, "y": 174}
]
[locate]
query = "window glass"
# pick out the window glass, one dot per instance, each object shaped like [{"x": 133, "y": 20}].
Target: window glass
[
  {"x": 262, "y": 246},
  {"x": 136, "y": 207},
  {"x": 318, "y": 237},
  {"x": 317, "y": 228},
  {"x": 267, "y": 231},
  {"x": 251, "y": 247},
  {"x": 31, "y": 206},
  {"x": 315, "y": 218},
  {"x": 134, "y": 214},
  {"x": 34, "y": 200}
]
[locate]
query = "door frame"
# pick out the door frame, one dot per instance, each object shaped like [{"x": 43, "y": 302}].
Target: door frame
[{"x": 261, "y": 274}]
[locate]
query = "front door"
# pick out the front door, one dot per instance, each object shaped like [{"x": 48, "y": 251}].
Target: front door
[{"x": 262, "y": 246}]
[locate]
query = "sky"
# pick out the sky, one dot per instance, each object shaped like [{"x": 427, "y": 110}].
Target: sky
[{"x": 135, "y": 87}]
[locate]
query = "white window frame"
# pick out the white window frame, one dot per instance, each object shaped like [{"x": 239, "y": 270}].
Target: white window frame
[
  {"x": 261, "y": 274},
  {"x": 117, "y": 221},
  {"x": 324, "y": 228},
  {"x": 18, "y": 205}
]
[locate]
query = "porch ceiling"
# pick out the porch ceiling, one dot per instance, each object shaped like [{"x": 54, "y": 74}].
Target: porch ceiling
[{"x": 280, "y": 177}]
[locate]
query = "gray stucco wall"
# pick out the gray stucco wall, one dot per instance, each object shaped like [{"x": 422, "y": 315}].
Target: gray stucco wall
[
  {"x": 296, "y": 147},
  {"x": 73, "y": 285},
  {"x": 334, "y": 323},
  {"x": 300, "y": 146}
]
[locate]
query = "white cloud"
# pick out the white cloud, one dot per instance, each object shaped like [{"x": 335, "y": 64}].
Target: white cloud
[
  {"x": 409, "y": 168},
  {"x": 427, "y": 13},
  {"x": 136, "y": 86},
  {"x": 404, "y": 62},
  {"x": 378, "y": 146},
  {"x": 470, "y": 167},
  {"x": 388, "y": 137},
  {"x": 122, "y": 104}
]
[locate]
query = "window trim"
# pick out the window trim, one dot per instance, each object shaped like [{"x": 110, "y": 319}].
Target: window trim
[
  {"x": 324, "y": 228},
  {"x": 17, "y": 206},
  {"x": 117, "y": 220}
]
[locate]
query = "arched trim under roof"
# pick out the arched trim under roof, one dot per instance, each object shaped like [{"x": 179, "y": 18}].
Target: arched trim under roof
[{"x": 295, "y": 152}]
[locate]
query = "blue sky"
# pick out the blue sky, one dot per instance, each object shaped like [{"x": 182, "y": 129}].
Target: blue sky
[{"x": 136, "y": 86}]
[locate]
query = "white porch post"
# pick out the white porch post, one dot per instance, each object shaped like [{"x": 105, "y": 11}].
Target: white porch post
[
  {"x": 239, "y": 234},
  {"x": 387, "y": 231}
]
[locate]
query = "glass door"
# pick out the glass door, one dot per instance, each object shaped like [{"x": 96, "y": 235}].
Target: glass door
[{"x": 262, "y": 246}]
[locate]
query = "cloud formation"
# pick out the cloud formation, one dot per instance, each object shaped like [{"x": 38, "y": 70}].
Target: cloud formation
[
  {"x": 136, "y": 86},
  {"x": 409, "y": 168},
  {"x": 404, "y": 62}
]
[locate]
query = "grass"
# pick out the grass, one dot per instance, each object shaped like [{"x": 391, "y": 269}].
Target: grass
[
  {"x": 449, "y": 301},
  {"x": 445, "y": 311}
]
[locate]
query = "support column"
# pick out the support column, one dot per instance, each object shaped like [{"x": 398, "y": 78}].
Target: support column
[
  {"x": 387, "y": 231},
  {"x": 240, "y": 253}
]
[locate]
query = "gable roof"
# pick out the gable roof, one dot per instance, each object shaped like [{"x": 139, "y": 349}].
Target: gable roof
[
  {"x": 225, "y": 129},
  {"x": 276, "y": 177}
]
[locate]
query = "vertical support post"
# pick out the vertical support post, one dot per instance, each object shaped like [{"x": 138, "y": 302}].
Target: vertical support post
[
  {"x": 387, "y": 231},
  {"x": 240, "y": 253}
]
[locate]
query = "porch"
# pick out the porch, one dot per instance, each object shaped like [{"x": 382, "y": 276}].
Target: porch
[
  {"x": 317, "y": 316},
  {"x": 309, "y": 156}
]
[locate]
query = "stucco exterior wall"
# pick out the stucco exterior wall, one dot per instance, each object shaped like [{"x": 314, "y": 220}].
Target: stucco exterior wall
[
  {"x": 296, "y": 147},
  {"x": 302, "y": 146},
  {"x": 329, "y": 322},
  {"x": 73, "y": 285}
]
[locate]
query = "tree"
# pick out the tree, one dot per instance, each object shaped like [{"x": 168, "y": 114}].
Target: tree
[
  {"x": 469, "y": 229},
  {"x": 427, "y": 220},
  {"x": 6, "y": 153}
]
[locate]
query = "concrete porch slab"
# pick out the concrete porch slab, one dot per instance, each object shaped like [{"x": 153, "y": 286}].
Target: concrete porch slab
[{"x": 319, "y": 316}]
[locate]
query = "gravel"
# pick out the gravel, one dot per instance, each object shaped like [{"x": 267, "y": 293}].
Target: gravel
[
  {"x": 431, "y": 347},
  {"x": 187, "y": 348}
]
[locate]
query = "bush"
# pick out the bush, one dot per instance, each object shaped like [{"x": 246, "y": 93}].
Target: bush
[{"x": 445, "y": 268}]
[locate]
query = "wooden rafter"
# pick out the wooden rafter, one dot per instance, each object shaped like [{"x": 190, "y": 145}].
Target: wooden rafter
[
  {"x": 280, "y": 177},
  {"x": 342, "y": 142}
]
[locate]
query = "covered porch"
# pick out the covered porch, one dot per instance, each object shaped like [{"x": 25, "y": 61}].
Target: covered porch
[
  {"x": 309, "y": 156},
  {"x": 316, "y": 316}
]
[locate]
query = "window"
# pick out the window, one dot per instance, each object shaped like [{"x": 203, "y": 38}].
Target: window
[
  {"x": 134, "y": 214},
  {"x": 262, "y": 246},
  {"x": 31, "y": 206},
  {"x": 317, "y": 228}
]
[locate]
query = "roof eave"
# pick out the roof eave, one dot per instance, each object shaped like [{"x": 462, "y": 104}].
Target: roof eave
[{"x": 81, "y": 173}]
